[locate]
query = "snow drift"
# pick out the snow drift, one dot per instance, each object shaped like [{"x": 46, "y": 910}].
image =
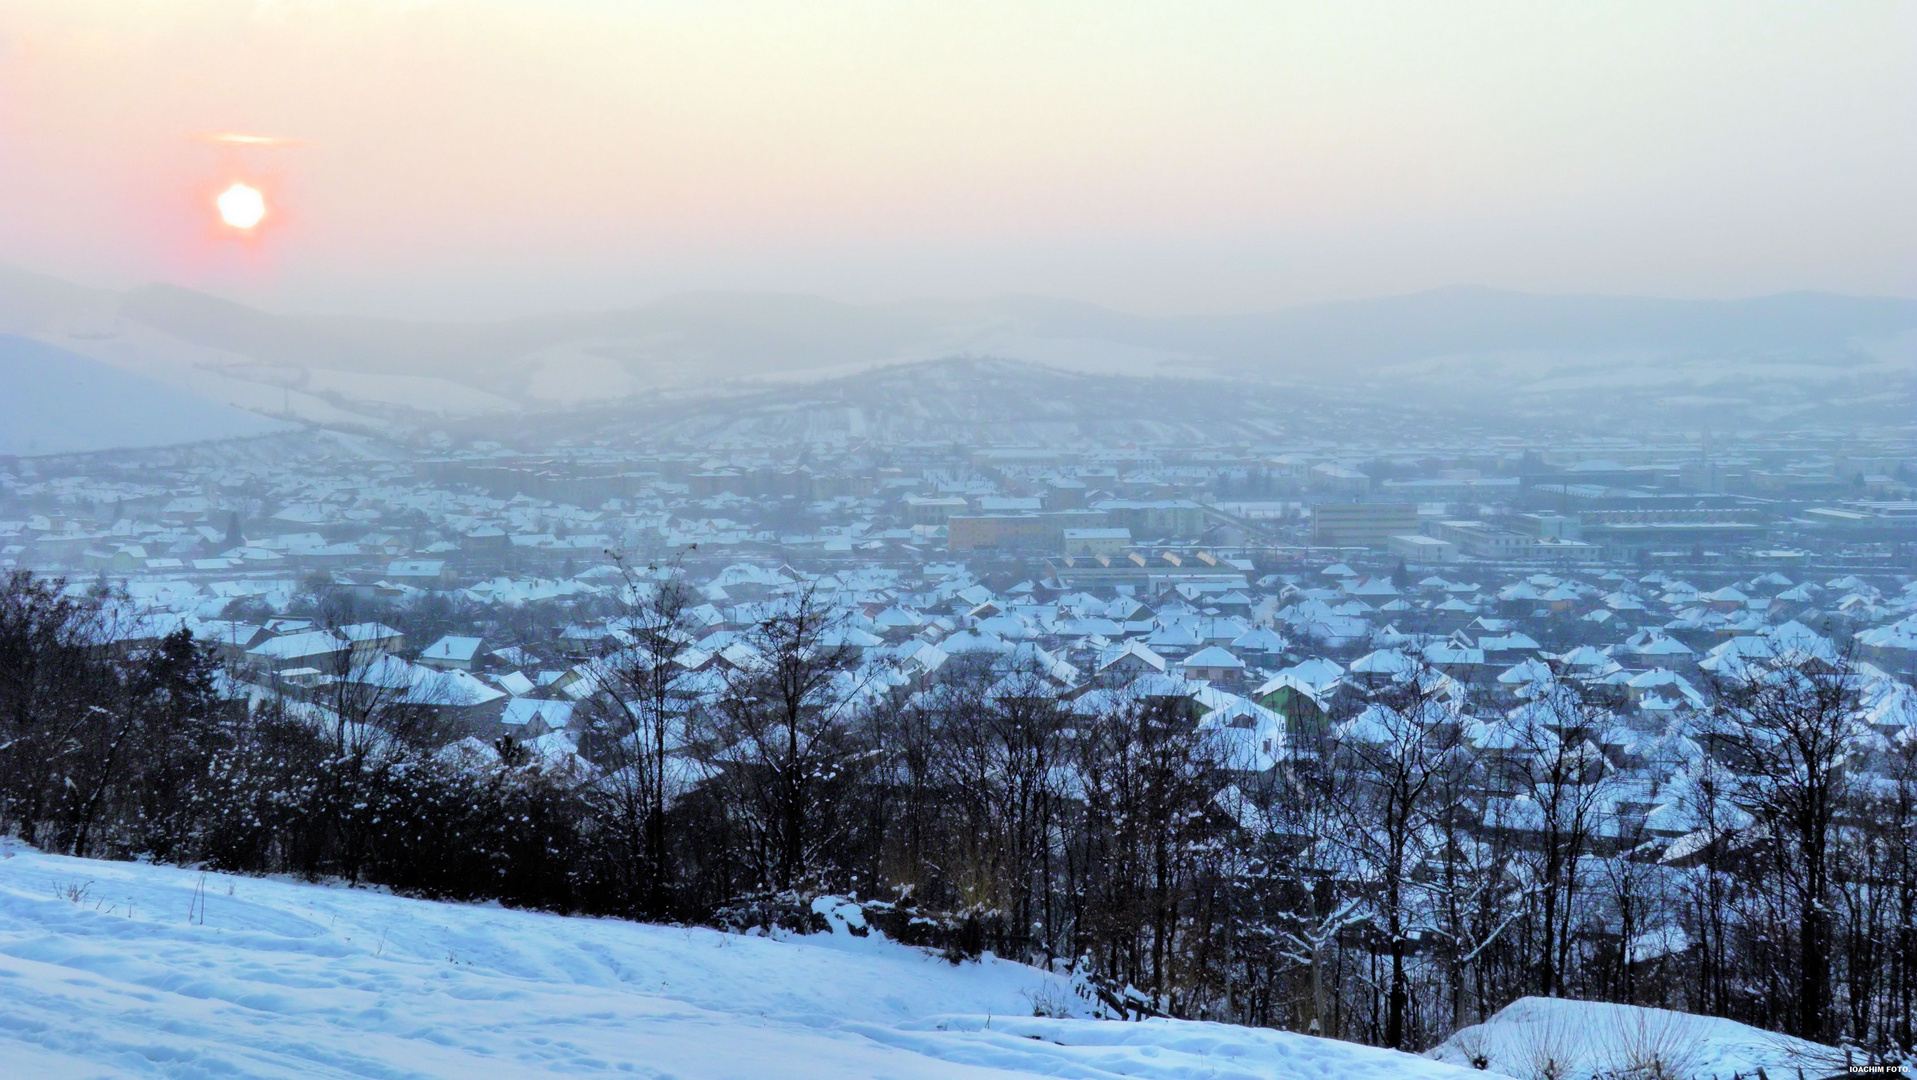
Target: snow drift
[{"x": 1540, "y": 1037}]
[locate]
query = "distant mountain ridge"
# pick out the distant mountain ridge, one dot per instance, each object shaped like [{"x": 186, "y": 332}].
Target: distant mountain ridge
[
  {"x": 1464, "y": 339},
  {"x": 787, "y": 330},
  {"x": 1470, "y": 319},
  {"x": 810, "y": 329}
]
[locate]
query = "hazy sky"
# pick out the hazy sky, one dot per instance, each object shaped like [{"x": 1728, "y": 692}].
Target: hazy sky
[{"x": 472, "y": 157}]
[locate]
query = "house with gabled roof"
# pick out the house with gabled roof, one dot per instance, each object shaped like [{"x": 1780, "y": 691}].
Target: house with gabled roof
[
  {"x": 1213, "y": 663},
  {"x": 451, "y": 652},
  {"x": 372, "y": 637},
  {"x": 1306, "y": 708},
  {"x": 315, "y": 649},
  {"x": 1130, "y": 659},
  {"x": 1260, "y": 641}
]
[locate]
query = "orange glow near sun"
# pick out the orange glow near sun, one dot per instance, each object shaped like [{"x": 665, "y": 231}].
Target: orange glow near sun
[{"x": 242, "y": 206}]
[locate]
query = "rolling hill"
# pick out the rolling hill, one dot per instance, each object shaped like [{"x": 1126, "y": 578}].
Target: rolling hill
[{"x": 53, "y": 401}]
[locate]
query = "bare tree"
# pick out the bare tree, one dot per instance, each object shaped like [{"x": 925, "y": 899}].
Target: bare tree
[
  {"x": 785, "y": 731},
  {"x": 1148, "y": 778},
  {"x": 636, "y": 722},
  {"x": 1307, "y": 880},
  {"x": 997, "y": 735},
  {"x": 1474, "y": 899},
  {"x": 1790, "y": 727},
  {"x": 1563, "y": 778},
  {"x": 1393, "y": 757},
  {"x": 1895, "y": 825}
]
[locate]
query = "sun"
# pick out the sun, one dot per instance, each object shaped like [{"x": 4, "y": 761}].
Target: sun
[{"x": 241, "y": 206}]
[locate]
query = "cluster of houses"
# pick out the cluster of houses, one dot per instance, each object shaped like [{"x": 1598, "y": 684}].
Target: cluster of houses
[
  {"x": 1271, "y": 663},
  {"x": 1272, "y": 593},
  {"x": 388, "y": 520}
]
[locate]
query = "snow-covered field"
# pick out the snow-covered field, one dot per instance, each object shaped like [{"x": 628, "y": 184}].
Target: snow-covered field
[
  {"x": 1550, "y": 1036},
  {"x": 125, "y": 970}
]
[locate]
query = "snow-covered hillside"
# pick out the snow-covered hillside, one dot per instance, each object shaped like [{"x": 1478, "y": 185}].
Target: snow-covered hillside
[
  {"x": 54, "y": 401},
  {"x": 127, "y": 970},
  {"x": 1549, "y": 1036}
]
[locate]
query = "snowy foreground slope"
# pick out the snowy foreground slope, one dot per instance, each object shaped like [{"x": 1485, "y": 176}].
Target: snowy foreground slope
[
  {"x": 1550, "y": 1036},
  {"x": 122, "y": 970}
]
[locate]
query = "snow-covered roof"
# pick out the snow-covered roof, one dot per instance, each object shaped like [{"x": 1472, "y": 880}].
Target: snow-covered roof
[
  {"x": 1212, "y": 656},
  {"x": 452, "y": 648}
]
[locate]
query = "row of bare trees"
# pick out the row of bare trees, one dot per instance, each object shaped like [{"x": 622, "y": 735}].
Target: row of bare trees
[
  {"x": 116, "y": 744},
  {"x": 1449, "y": 876},
  {"x": 1058, "y": 828},
  {"x": 91, "y": 742},
  {"x": 1390, "y": 883}
]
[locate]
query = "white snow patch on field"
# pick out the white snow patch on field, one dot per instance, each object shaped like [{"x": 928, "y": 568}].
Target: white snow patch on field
[
  {"x": 573, "y": 374},
  {"x": 126, "y": 970}
]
